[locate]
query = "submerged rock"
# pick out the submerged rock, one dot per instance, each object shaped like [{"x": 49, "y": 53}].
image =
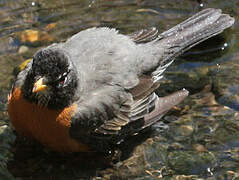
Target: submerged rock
[{"x": 34, "y": 37}]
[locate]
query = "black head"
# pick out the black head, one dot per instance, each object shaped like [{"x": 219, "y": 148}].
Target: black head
[{"x": 52, "y": 79}]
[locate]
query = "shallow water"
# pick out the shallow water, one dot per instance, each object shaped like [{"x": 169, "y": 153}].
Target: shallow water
[{"x": 203, "y": 137}]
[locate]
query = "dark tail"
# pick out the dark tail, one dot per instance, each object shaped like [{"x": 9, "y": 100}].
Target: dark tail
[{"x": 203, "y": 25}]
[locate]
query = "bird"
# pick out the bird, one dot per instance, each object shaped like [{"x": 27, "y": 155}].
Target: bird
[{"x": 97, "y": 88}]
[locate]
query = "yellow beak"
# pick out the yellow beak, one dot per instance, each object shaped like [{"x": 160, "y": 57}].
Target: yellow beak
[{"x": 39, "y": 86}]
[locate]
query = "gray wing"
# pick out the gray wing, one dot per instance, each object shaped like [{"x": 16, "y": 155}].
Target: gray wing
[{"x": 111, "y": 113}]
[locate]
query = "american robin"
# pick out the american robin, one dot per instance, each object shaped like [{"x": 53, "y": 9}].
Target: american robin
[{"x": 97, "y": 88}]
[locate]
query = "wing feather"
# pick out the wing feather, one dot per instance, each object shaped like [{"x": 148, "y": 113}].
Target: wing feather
[
  {"x": 112, "y": 113},
  {"x": 144, "y": 35}
]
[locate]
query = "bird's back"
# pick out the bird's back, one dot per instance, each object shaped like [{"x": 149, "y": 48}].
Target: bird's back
[{"x": 101, "y": 55}]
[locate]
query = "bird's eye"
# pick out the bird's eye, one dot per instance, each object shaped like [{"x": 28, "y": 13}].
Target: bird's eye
[{"x": 62, "y": 78}]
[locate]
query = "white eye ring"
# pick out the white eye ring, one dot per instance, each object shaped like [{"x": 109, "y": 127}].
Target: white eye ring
[{"x": 65, "y": 81}]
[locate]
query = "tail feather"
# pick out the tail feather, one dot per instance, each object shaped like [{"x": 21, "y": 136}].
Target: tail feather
[
  {"x": 194, "y": 30},
  {"x": 200, "y": 27},
  {"x": 200, "y": 16}
]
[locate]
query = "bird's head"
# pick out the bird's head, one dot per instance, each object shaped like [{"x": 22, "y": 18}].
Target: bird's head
[{"x": 51, "y": 80}]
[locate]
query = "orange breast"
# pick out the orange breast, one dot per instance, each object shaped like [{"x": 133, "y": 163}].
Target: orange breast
[{"x": 50, "y": 127}]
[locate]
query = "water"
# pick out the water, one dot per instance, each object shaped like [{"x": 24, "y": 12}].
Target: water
[{"x": 26, "y": 26}]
